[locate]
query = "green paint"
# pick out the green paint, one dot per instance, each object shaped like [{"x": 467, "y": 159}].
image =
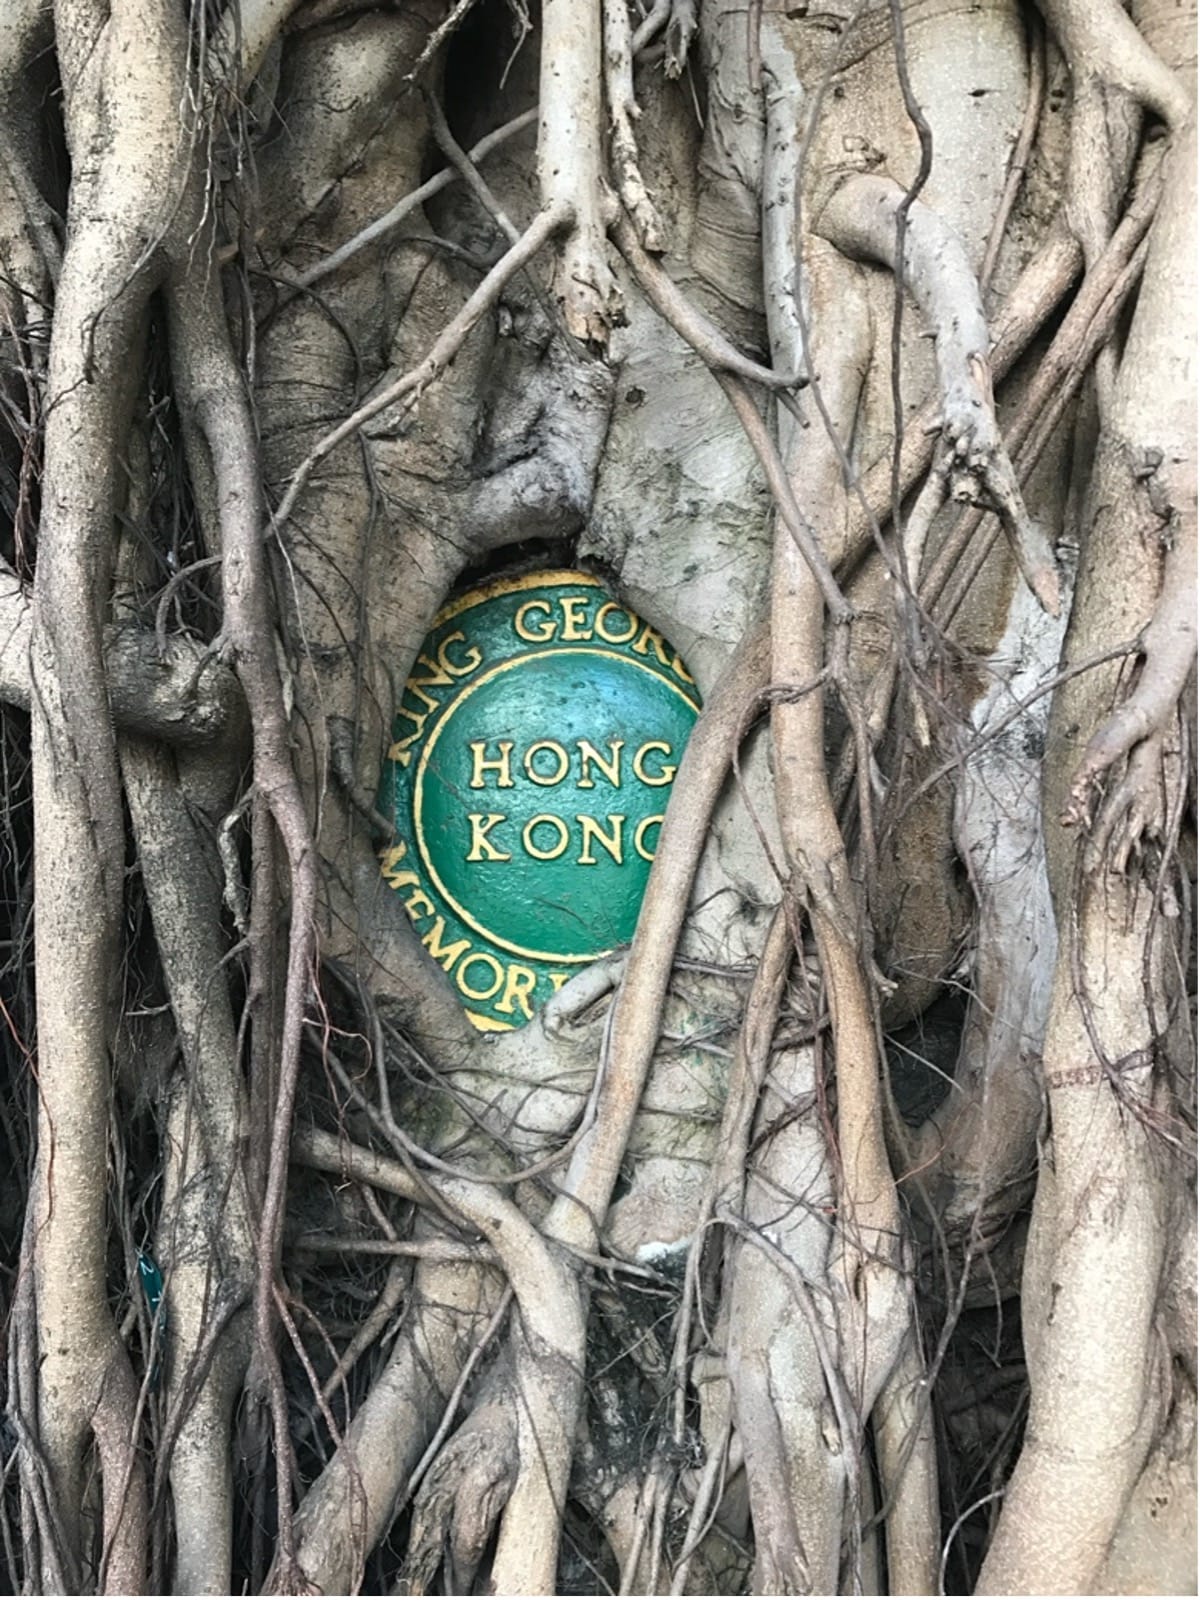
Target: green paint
[{"x": 532, "y": 757}]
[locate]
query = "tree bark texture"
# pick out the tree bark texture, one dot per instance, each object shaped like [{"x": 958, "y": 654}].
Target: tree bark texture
[{"x": 835, "y": 1236}]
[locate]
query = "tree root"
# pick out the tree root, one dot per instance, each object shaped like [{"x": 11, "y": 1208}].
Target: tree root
[
  {"x": 1098, "y": 1370},
  {"x": 204, "y": 1201},
  {"x": 970, "y": 462},
  {"x": 907, "y": 1456},
  {"x": 173, "y": 690},
  {"x": 623, "y": 111},
  {"x": 548, "y": 1361},
  {"x": 126, "y": 182},
  {"x": 570, "y": 167},
  {"x": 463, "y": 1496},
  {"x": 1168, "y": 649},
  {"x": 1100, "y": 41}
]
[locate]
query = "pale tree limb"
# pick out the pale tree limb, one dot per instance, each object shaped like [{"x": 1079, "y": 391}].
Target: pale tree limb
[
  {"x": 1097, "y": 174},
  {"x": 730, "y": 368},
  {"x": 623, "y": 112},
  {"x": 1114, "y": 73},
  {"x": 549, "y": 1360},
  {"x": 549, "y": 1356},
  {"x": 970, "y": 462},
  {"x": 1100, "y": 40},
  {"x": 787, "y": 136},
  {"x": 1018, "y": 161},
  {"x": 465, "y": 1490},
  {"x": 203, "y": 1240},
  {"x": 29, "y": 249},
  {"x": 1099, "y": 1373},
  {"x": 205, "y": 1214},
  {"x": 651, "y": 24},
  {"x": 455, "y": 1399},
  {"x": 211, "y": 388},
  {"x": 725, "y": 1191},
  {"x": 906, "y": 1452},
  {"x": 127, "y": 170},
  {"x": 437, "y": 38},
  {"x": 971, "y": 1165},
  {"x": 570, "y": 167},
  {"x": 1155, "y": 433},
  {"x": 579, "y": 1210},
  {"x": 681, "y": 29},
  {"x": 864, "y": 1272},
  {"x": 1035, "y": 296},
  {"x": 688, "y": 321},
  {"x": 974, "y": 1158},
  {"x": 835, "y": 1292},
  {"x": 26, "y": 28},
  {"x": 179, "y": 692},
  {"x": 411, "y": 202},
  {"x": 1037, "y": 428},
  {"x": 801, "y": 530},
  {"x": 1168, "y": 649},
  {"x": 246, "y": 33},
  {"x": 466, "y": 169},
  {"x": 348, "y": 1509},
  {"x": 1086, "y": 326}
]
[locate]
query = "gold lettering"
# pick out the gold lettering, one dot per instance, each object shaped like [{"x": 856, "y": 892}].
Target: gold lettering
[
  {"x": 664, "y": 775},
  {"x": 681, "y": 671},
  {"x": 546, "y": 780},
  {"x": 401, "y": 751},
  {"x": 648, "y": 639},
  {"x": 417, "y": 718},
  {"x": 481, "y": 764},
  {"x": 558, "y": 980},
  {"x": 418, "y": 904},
  {"x": 437, "y": 677},
  {"x": 544, "y": 630},
  {"x": 592, "y": 830},
  {"x": 495, "y": 972},
  {"x": 471, "y": 657},
  {"x": 614, "y": 638},
  {"x": 398, "y": 877},
  {"x": 571, "y": 605},
  {"x": 482, "y": 849},
  {"x": 552, "y": 822},
  {"x": 518, "y": 986},
  {"x": 639, "y": 836},
  {"x": 446, "y": 954},
  {"x": 610, "y": 768},
  {"x": 413, "y": 687}
]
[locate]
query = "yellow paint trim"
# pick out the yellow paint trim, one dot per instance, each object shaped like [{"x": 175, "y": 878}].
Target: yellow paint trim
[{"x": 514, "y": 586}]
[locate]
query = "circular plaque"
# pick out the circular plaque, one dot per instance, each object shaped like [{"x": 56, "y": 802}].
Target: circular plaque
[{"x": 532, "y": 755}]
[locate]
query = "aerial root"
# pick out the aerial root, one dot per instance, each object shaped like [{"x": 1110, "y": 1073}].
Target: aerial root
[
  {"x": 623, "y": 111},
  {"x": 971, "y": 466},
  {"x": 1142, "y": 724},
  {"x": 463, "y": 1496}
]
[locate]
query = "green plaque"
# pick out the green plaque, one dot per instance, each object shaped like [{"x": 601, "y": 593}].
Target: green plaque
[{"x": 533, "y": 752}]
